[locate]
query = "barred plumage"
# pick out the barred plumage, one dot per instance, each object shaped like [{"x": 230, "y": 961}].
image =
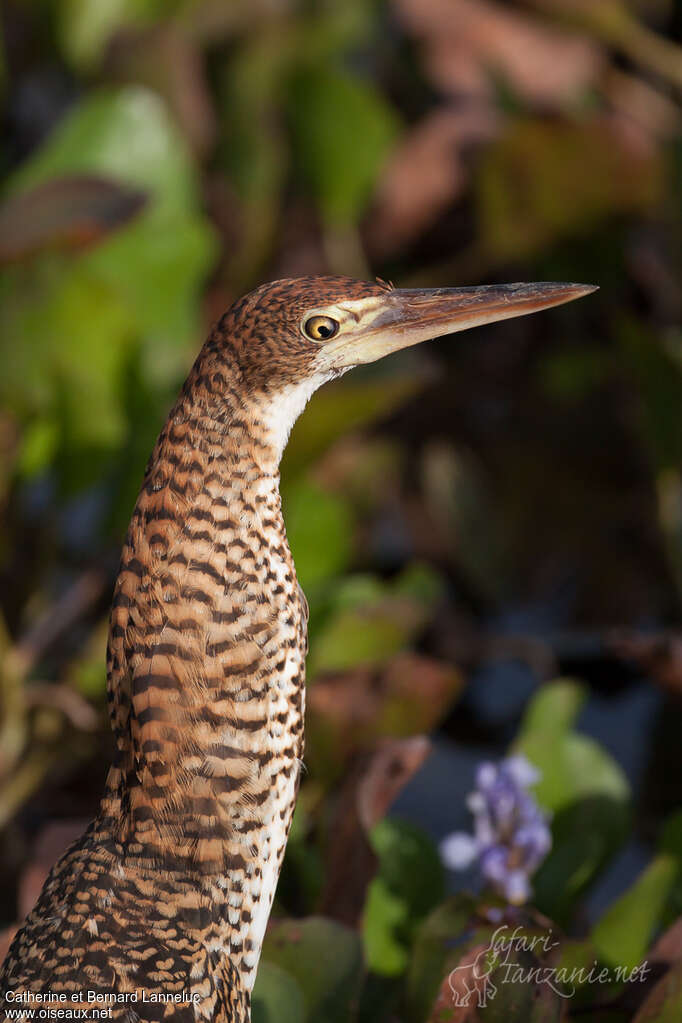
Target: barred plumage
[{"x": 160, "y": 908}]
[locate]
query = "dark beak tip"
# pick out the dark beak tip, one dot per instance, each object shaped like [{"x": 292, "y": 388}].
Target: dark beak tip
[
  {"x": 583, "y": 289},
  {"x": 572, "y": 288}
]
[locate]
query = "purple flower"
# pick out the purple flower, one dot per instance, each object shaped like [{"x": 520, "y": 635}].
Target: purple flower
[{"x": 511, "y": 834}]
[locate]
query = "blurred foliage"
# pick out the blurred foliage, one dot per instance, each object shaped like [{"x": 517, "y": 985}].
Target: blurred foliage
[
  {"x": 504, "y": 499},
  {"x": 585, "y": 790}
]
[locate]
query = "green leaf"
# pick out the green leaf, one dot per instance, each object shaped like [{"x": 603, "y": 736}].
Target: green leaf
[
  {"x": 319, "y": 529},
  {"x": 408, "y": 885},
  {"x": 583, "y": 786},
  {"x": 585, "y": 835},
  {"x": 85, "y": 26},
  {"x": 622, "y": 935},
  {"x": 573, "y": 766},
  {"x": 155, "y": 266},
  {"x": 124, "y": 133},
  {"x": 54, "y": 372},
  {"x": 386, "y": 918},
  {"x": 71, "y": 328},
  {"x": 324, "y": 958},
  {"x": 554, "y": 709},
  {"x": 434, "y": 942},
  {"x": 343, "y": 131},
  {"x": 352, "y": 638},
  {"x": 340, "y": 408},
  {"x": 276, "y": 998},
  {"x": 38, "y": 445},
  {"x": 368, "y": 621},
  {"x": 419, "y": 582}
]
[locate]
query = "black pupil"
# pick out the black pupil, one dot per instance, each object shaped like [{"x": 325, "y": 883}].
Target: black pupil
[{"x": 321, "y": 327}]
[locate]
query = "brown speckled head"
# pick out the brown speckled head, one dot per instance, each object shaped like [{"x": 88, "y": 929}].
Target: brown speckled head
[{"x": 263, "y": 330}]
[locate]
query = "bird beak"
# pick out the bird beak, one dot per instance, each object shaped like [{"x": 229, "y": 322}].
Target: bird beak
[{"x": 401, "y": 318}]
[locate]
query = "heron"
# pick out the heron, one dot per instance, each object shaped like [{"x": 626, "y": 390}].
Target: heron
[{"x": 158, "y": 911}]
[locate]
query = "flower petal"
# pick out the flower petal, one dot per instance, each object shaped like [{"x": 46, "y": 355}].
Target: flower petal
[
  {"x": 521, "y": 771},
  {"x": 459, "y": 850}
]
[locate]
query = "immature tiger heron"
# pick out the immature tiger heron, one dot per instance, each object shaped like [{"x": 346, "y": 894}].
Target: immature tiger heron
[{"x": 160, "y": 908}]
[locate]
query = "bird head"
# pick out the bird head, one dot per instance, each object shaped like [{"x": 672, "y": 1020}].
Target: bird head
[{"x": 290, "y": 336}]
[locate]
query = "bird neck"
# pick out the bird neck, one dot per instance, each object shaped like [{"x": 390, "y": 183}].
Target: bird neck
[{"x": 206, "y": 661}]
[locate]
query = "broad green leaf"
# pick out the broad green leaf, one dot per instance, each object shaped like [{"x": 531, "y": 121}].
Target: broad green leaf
[
  {"x": 72, "y": 328},
  {"x": 85, "y": 26},
  {"x": 156, "y": 265},
  {"x": 408, "y": 885},
  {"x": 38, "y": 445},
  {"x": 319, "y": 528},
  {"x": 585, "y": 789},
  {"x": 622, "y": 935},
  {"x": 368, "y": 621},
  {"x": 436, "y": 939},
  {"x": 126, "y": 133},
  {"x": 343, "y": 131},
  {"x": 353, "y": 638},
  {"x": 68, "y": 356},
  {"x": 324, "y": 958},
  {"x": 554, "y": 709},
  {"x": 340, "y": 408},
  {"x": 386, "y": 918},
  {"x": 585, "y": 835},
  {"x": 357, "y": 591},
  {"x": 573, "y": 766},
  {"x": 276, "y": 998},
  {"x": 419, "y": 582}
]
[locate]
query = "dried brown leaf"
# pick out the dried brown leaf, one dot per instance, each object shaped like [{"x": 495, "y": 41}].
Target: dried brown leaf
[
  {"x": 389, "y": 770},
  {"x": 409, "y": 694},
  {"x": 462, "y": 990},
  {"x": 668, "y": 948},
  {"x": 468, "y": 42},
  {"x": 68, "y": 213},
  {"x": 426, "y": 174},
  {"x": 371, "y": 786}
]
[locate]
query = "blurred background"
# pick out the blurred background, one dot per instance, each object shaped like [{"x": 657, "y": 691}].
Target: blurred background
[{"x": 488, "y": 528}]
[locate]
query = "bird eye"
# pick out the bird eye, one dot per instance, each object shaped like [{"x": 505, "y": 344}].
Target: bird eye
[{"x": 320, "y": 328}]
